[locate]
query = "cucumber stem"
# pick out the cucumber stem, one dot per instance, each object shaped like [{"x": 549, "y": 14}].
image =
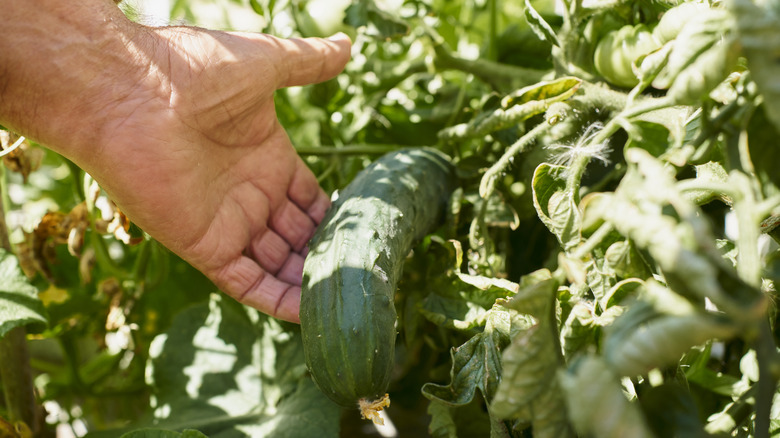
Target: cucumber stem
[{"x": 369, "y": 410}]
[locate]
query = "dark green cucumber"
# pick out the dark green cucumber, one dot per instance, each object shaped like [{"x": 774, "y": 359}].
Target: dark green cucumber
[{"x": 354, "y": 264}]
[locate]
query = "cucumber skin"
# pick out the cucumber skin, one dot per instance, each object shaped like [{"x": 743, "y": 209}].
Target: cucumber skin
[{"x": 354, "y": 264}]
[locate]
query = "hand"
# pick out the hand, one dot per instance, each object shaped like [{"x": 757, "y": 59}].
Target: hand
[
  {"x": 185, "y": 139},
  {"x": 198, "y": 159}
]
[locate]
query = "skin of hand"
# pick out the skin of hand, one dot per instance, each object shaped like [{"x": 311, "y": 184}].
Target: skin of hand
[{"x": 178, "y": 125}]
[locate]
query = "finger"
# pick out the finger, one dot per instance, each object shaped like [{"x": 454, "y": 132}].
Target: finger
[
  {"x": 292, "y": 271},
  {"x": 249, "y": 284},
  {"x": 305, "y": 191},
  {"x": 275, "y": 297},
  {"x": 303, "y": 61},
  {"x": 292, "y": 224},
  {"x": 270, "y": 251}
]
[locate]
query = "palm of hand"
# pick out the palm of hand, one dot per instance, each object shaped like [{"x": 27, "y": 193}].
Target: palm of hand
[{"x": 198, "y": 159}]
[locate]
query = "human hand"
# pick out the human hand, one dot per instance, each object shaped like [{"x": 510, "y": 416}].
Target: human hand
[
  {"x": 197, "y": 158},
  {"x": 178, "y": 125}
]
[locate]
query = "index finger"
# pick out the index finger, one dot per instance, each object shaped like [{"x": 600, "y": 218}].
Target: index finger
[{"x": 303, "y": 61}]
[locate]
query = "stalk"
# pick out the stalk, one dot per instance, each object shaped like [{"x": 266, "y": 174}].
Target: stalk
[{"x": 15, "y": 372}]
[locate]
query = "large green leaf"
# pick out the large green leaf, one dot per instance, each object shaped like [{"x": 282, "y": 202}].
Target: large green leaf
[
  {"x": 476, "y": 365},
  {"x": 529, "y": 389},
  {"x": 19, "y": 303},
  {"x": 657, "y": 331},
  {"x": 227, "y": 371},
  {"x": 597, "y": 404}
]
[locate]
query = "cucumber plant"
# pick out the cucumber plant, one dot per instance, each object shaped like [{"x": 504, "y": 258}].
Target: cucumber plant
[{"x": 608, "y": 265}]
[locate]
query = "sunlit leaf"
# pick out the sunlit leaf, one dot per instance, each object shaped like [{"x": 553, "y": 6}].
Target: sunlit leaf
[
  {"x": 624, "y": 259},
  {"x": 758, "y": 27},
  {"x": 540, "y": 27},
  {"x": 696, "y": 38},
  {"x": 19, "y": 303},
  {"x": 516, "y": 107},
  {"x": 476, "y": 365},
  {"x": 655, "y": 336},
  {"x": 223, "y": 369},
  {"x": 555, "y": 206}
]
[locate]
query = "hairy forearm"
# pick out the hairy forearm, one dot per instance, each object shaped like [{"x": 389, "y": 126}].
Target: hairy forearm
[{"x": 62, "y": 66}]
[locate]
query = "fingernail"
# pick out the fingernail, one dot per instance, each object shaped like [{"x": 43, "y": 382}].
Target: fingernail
[{"x": 339, "y": 37}]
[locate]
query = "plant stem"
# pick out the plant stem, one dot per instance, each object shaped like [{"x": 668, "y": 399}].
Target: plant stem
[
  {"x": 767, "y": 356},
  {"x": 15, "y": 372},
  {"x": 492, "y": 53},
  {"x": 357, "y": 149},
  {"x": 593, "y": 241},
  {"x": 499, "y": 76},
  {"x": 488, "y": 179},
  {"x": 16, "y": 376}
]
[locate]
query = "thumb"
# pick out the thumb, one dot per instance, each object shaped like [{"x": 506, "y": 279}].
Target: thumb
[{"x": 303, "y": 61}]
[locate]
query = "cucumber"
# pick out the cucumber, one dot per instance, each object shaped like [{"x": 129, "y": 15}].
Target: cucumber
[{"x": 351, "y": 272}]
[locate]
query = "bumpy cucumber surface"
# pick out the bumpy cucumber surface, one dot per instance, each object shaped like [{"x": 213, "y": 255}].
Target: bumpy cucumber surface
[{"x": 354, "y": 264}]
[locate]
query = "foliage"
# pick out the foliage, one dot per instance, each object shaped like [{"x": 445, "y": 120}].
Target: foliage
[{"x": 608, "y": 266}]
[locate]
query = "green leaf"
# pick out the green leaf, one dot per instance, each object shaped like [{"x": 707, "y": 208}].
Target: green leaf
[
  {"x": 652, "y": 137},
  {"x": 455, "y": 313},
  {"x": 257, "y": 7},
  {"x": 596, "y": 402},
  {"x": 515, "y": 108},
  {"x": 672, "y": 411},
  {"x": 763, "y": 148},
  {"x": 540, "y": 27},
  {"x": 19, "y": 303},
  {"x": 476, "y": 365},
  {"x": 758, "y": 29},
  {"x": 578, "y": 331},
  {"x": 697, "y": 37},
  {"x": 555, "y": 206},
  {"x": 442, "y": 422},
  {"x": 534, "y": 294},
  {"x": 556, "y": 90},
  {"x": 656, "y": 333},
  {"x": 529, "y": 367},
  {"x": 227, "y": 371},
  {"x": 379, "y": 23},
  {"x": 624, "y": 259},
  {"x": 710, "y": 172}
]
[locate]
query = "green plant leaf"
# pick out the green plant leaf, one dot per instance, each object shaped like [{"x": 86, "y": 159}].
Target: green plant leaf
[
  {"x": 555, "y": 206},
  {"x": 225, "y": 370},
  {"x": 597, "y": 404},
  {"x": 652, "y": 137},
  {"x": 624, "y": 259},
  {"x": 657, "y": 335},
  {"x": 673, "y": 411},
  {"x": 758, "y": 29},
  {"x": 19, "y": 303},
  {"x": 379, "y": 23},
  {"x": 538, "y": 24},
  {"x": 455, "y": 313},
  {"x": 696, "y": 38},
  {"x": 442, "y": 422},
  {"x": 516, "y": 107},
  {"x": 476, "y": 365}
]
